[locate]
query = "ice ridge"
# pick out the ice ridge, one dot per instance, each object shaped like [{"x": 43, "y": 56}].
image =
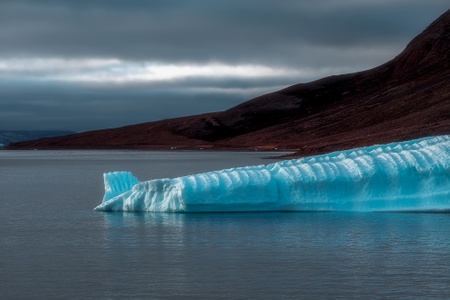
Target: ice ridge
[{"x": 407, "y": 176}]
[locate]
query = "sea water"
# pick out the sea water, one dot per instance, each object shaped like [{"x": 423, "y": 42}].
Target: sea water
[{"x": 53, "y": 246}]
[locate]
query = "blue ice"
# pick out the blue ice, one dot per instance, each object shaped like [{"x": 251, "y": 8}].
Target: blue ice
[{"x": 407, "y": 176}]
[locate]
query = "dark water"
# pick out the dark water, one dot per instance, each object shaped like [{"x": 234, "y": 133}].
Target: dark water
[{"x": 54, "y": 246}]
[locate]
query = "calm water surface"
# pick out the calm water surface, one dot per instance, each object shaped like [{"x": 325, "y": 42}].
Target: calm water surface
[{"x": 54, "y": 246}]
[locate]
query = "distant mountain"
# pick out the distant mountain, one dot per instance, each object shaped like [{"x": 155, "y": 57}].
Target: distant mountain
[
  {"x": 11, "y": 136},
  {"x": 406, "y": 98}
]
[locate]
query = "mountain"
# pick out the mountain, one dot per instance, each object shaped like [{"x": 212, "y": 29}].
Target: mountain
[
  {"x": 11, "y": 136},
  {"x": 405, "y": 98}
]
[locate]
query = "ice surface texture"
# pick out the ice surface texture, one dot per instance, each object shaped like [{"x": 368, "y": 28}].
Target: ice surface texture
[{"x": 408, "y": 176}]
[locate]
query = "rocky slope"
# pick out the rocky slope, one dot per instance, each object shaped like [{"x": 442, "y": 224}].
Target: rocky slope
[{"x": 406, "y": 98}]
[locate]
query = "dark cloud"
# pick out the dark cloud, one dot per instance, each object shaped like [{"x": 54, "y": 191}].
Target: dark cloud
[
  {"x": 319, "y": 37},
  {"x": 205, "y": 30},
  {"x": 49, "y": 107}
]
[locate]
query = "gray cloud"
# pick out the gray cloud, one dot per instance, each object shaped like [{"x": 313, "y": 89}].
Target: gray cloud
[
  {"x": 49, "y": 107},
  {"x": 205, "y": 30},
  {"x": 318, "y": 38}
]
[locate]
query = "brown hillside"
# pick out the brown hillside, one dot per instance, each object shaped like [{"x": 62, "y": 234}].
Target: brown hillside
[{"x": 406, "y": 98}]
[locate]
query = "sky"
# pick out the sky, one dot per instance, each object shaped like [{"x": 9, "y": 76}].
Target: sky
[{"x": 91, "y": 64}]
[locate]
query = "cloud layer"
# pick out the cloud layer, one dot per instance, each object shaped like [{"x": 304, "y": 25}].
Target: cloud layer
[{"x": 91, "y": 64}]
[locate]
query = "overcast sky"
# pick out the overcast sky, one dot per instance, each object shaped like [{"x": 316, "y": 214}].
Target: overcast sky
[{"x": 90, "y": 64}]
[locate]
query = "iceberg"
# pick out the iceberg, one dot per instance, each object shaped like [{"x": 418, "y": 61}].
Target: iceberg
[{"x": 407, "y": 176}]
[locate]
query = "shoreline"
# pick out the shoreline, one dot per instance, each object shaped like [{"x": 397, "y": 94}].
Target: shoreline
[{"x": 292, "y": 153}]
